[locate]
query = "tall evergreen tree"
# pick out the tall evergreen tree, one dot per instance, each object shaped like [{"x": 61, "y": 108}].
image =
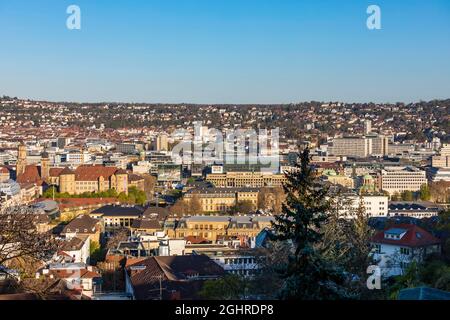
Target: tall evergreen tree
[{"x": 307, "y": 275}]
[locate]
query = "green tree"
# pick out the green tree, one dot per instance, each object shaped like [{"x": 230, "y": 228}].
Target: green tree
[
  {"x": 407, "y": 195},
  {"x": 443, "y": 226},
  {"x": 122, "y": 197},
  {"x": 425, "y": 194},
  {"x": 396, "y": 197},
  {"x": 50, "y": 192},
  {"x": 307, "y": 275},
  {"x": 409, "y": 279},
  {"x": 95, "y": 251},
  {"x": 230, "y": 287}
]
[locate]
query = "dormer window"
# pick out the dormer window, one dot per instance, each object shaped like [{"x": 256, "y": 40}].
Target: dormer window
[{"x": 394, "y": 233}]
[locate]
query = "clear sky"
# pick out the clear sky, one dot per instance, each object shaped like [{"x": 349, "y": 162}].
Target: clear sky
[{"x": 225, "y": 51}]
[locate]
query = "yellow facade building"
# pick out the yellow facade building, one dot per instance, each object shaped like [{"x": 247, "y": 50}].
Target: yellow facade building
[
  {"x": 87, "y": 178},
  {"x": 246, "y": 179},
  {"x": 213, "y": 227},
  {"x": 222, "y": 199}
]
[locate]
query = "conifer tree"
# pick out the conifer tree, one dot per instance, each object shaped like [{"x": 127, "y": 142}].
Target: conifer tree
[{"x": 307, "y": 275}]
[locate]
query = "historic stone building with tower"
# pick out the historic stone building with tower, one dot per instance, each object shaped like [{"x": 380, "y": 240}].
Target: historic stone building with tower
[{"x": 84, "y": 178}]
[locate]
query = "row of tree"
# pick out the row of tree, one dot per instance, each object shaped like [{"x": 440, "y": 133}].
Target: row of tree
[
  {"x": 134, "y": 196},
  {"x": 424, "y": 194}
]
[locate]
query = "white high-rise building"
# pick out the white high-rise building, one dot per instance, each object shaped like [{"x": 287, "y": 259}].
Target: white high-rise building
[
  {"x": 367, "y": 126},
  {"x": 358, "y": 147},
  {"x": 443, "y": 159},
  {"x": 162, "y": 143}
]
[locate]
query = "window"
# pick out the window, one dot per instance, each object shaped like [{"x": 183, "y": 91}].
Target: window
[
  {"x": 405, "y": 251},
  {"x": 377, "y": 248}
]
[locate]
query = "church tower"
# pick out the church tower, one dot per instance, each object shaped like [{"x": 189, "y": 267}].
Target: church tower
[
  {"x": 45, "y": 166},
  {"x": 21, "y": 159},
  {"x": 67, "y": 181}
]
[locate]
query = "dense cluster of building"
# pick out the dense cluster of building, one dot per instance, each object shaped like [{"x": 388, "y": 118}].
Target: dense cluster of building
[{"x": 201, "y": 220}]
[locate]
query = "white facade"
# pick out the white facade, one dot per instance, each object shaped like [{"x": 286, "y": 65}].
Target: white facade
[
  {"x": 375, "y": 205},
  {"x": 172, "y": 247},
  {"x": 142, "y": 167},
  {"x": 440, "y": 174},
  {"x": 358, "y": 147},
  {"x": 393, "y": 259},
  {"x": 245, "y": 265},
  {"x": 75, "y": 276},
  {"x": 78, "y": 157},
  {"x": 81, "y": 255},
  {"x": 397, "y": 180}
]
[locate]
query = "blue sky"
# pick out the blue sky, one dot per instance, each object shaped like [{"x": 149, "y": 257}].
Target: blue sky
[{"x": 225, "y": 51}]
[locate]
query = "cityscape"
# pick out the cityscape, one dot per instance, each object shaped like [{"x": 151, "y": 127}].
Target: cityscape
[{"x": 320, "y": 199}]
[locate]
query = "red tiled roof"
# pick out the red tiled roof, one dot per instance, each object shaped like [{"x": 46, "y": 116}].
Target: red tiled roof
[
  {"x": 115, "y": 258},
  {"x": 134, "y": 177},
  {"x": 4, "y": 170},
  {"x": 131, "y": 261},
  {"x": 92, "y": 173},
  {"x": 195, "y": 240},
  {"x": 172, "y": 271},
  {"x": 66, "y": 171},
  {"x": 81, "y": 273},
  {"x": 55, "y": 172},
  {"x": 414, "y": 237},
  {"x": 82, "y": 224},
  {"x": 31, "y": 175}
]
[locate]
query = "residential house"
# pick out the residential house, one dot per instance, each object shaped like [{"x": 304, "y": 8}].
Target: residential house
[
  {"x": 398, "y": 246},
  {"x": 170, "y": 277},
  {"x": 84, "y": 225},
  {"x": 76, "y": 249}
]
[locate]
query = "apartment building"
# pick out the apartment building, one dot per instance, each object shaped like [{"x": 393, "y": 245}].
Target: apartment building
[
  {"x": 380, "y": 145},
  {"x": 233, "y": 261},
  {"x": 440, "y": 161},
  {"x": 399, "y": 179},
  {"x": 374, "y": 205},
  {"x": 443, "y": 159},
  {"x": 356, "y": 147},
  {"x": 246, "y": 179},
  {"x": 222, "y": 199},
  {"x": 213, "y": 227},
  {"x": 114, "y": 216},
  {"x": 78, "y": 157},
  {"x": 162, "y": 143}
]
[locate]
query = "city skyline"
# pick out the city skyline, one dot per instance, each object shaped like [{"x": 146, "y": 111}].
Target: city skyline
[{"x": 252, "y": 52}]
